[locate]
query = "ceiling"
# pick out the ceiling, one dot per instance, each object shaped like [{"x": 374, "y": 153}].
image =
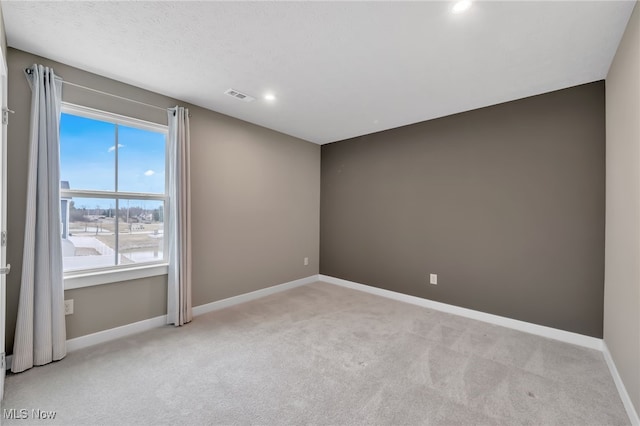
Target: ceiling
[{"x": 338, "y": 69}]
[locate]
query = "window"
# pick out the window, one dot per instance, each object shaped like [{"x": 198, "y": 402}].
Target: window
[{"x": 113, "y": 191}]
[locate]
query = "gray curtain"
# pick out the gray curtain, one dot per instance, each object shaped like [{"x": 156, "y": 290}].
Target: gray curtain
[
  {"x": 40, "y": 330},
  {"x": 179, "y": 281}
]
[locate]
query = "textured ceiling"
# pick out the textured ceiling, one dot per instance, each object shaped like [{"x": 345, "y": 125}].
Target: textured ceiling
[{"x": 339, "y": 69}]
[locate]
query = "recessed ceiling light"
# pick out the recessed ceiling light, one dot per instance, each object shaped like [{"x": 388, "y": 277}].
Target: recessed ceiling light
[
  {"x": 461, "y": 6},
  {"x": 270, "y": 97}
]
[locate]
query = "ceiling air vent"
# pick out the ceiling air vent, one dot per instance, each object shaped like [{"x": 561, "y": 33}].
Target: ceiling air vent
[{"x": 239, "y": 95}]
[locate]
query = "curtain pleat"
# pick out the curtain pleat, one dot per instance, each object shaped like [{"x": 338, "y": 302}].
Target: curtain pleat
[
  {"x": 179, "y": 310},
  {"x": 40, "y": 329}
]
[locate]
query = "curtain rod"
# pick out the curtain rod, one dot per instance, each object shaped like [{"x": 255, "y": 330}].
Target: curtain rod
[{"x": 30, "y": 71}]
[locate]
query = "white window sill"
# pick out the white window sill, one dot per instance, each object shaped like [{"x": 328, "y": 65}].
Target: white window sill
[{"x": 79, "y": 280}]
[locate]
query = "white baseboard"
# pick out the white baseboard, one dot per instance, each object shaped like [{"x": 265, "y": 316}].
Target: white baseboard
[
  {"x": 109, "y": 335},
  {"x": 115, "y": 333},
  {"x": 235, "y": 300},
  {"x": 149, "y": 324},
  {"x": 540, "y": 330},
  {"x": 622, "y": 390}
]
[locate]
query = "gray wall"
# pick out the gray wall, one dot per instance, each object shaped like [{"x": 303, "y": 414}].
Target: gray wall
[
  {"x": 256, "y": 204},
  {"x": 622, "y": 264},
  {"x": 505, "y": 204}
]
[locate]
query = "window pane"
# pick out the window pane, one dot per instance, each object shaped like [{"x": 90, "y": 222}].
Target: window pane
[
  {"x": 141, "y": 233},
  {"x": 87, "y": 153},
  {"x": 88, "y": 229},
  {"x": 141, "y": 160}
]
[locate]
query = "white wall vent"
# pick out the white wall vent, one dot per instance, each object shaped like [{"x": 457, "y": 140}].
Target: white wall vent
[{"x": 239, "y": 95}]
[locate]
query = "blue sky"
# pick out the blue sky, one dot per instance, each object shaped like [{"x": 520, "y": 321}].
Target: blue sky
[{"x": 87, "y": 156}]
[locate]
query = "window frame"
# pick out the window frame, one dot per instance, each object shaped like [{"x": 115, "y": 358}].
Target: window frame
[{"x": 116, "y": 273}]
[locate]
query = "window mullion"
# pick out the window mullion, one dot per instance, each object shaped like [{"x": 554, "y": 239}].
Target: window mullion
[
  {"x": 110, "y": 194},
  {"x": 117, "y": 229},
  {"x": 116, "y": 159}
]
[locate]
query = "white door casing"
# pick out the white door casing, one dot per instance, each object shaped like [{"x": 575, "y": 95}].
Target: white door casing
[{"x": 4, "y": 268}]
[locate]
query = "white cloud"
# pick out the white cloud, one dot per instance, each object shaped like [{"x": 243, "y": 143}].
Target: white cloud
[
  {"x": 149, "y": 173},
  {"x": 113, "y": 148}
]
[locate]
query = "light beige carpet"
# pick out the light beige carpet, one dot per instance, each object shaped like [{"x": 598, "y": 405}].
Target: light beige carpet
[{"x": 322, "y": 354}]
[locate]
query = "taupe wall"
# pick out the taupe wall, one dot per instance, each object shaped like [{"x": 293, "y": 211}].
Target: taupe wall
[
  {"x": 257, "y": 213},
  {"x": 622, "y": 264},
  {"x": 505, "y": 204},
  {"x": 256, "y": 202}
]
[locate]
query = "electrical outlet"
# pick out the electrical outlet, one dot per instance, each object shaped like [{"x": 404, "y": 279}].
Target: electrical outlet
[
  {"x": 433, "y": 279},
  {"x": 306, "y": 261},
  {"x": 68, "y": 307}
]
